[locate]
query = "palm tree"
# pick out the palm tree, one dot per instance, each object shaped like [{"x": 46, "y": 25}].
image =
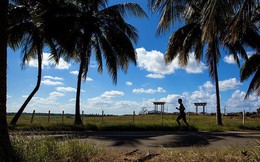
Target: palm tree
[
  {"x": 244, "y": 28},
  {"x": 205, "y": 25},
  {"x": 26, "y": 30},
  {"x": 103, "y": 31},
  {"x": 6, "y": 150}
]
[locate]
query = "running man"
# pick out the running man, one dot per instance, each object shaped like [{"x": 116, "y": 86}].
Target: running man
[{"x": 182, "y": 114}]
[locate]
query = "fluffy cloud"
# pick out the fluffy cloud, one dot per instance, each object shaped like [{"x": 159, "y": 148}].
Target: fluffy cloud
[
  {"x": 208, "y": 85},
  {"x": 53, "y": 78},
  {"x": 229, "y": 59},
  {"x": 128, "y": 83},
  {"x": 153, "y": 61},
  {"x": 49, "y": 82},
  {"x": 155, "y": 76},
  {"x": 224, "y": 85},
  {"x": 231, "y": 83},
  {"x": 89, "y": 79},
  {"x": 237, "y": 102},
  {"x": 54, "y": 95},
  {"x": 74, "y": 72},
  {"x": 149, "y": 91},
  {"x": 46, "y": 63},
  {"x": 112, "y": 94},
  {"x": 66, "y": 89}
]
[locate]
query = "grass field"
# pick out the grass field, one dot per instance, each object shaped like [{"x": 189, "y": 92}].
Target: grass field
[
  {"x": 45, "y": 148},
  {"x": 50, "y": 149},
  {"x": 130, "y": 122}
]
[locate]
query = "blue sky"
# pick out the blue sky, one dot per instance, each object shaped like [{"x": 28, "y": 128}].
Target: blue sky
[{"x": 151, "y": 80}]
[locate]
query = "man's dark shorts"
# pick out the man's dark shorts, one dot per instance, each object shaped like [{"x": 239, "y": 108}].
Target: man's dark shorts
[{"x": 182, "y": 116}]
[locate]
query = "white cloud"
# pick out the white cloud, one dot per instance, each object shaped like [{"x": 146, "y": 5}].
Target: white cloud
[
  {"x": 155, "y": 76},
  {"x": 153, "y": 61},
  {"x": 72, "y": 99},
  {"x": 229, "y": 59},
  {"x": 128, "y": 83},
  {"x": 46, "y": 63},
  {"x": 54, "y": 95},
  {"x": 49, "y": 82},
  {"x": 237, "y": 102},
  {"x": 25, "y": 96},
  {"x": 231, "y": 83},
  {"x": 112, "y": 94},
  {"x": 208, "y": 85},
  {"x": 74, "y": 72},
  {"x": 89, "y": 79},
  {"x": 224, "y": 85},
  {"x": 53, "y": 78},
  {"x": 66, "y": 89},
  {"x": 8, "y": 96},
  {"x": 149, "y": 91}
]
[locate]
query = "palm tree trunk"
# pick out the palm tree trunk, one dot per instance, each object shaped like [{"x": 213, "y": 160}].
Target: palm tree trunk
[
  {"x": 218, "y": 112},
  {"x": 19, "y": 113},
  {"x": 78, "y": 120},
  {"x": 6, "y": 150}
]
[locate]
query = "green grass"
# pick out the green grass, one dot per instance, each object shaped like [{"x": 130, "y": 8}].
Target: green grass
[
  {"x": 126, "y": 123},
  {"x": 41, "y": 148}
]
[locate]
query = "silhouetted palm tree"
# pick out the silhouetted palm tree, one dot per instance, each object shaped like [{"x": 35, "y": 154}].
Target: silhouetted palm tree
[
  {"x": 6, "y": 151},
  {"x": 205, "y": 27},
  {"x": 27, "y": 31},
  {"x": 101, "y": 30},
  {"x": 244, "y": 28}
]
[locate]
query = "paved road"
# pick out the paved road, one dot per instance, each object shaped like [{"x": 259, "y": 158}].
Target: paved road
[
  {"x": 166, "y": 139},
  {"x": 150, "y": 140}
]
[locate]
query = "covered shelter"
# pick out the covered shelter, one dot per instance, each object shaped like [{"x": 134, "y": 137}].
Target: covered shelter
[
  {"x": 156, "y": 106},
  {"x": 203, "y": 104}
]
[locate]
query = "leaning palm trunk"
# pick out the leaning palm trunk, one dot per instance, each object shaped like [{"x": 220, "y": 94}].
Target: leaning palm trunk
[
  {"x": 78, "y": 120},
  {"x": 218, "y": 112},
  {"x": 19, "y": 113}
]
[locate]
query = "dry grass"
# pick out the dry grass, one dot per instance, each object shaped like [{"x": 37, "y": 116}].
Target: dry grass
[{"x": 49, "y": 149}]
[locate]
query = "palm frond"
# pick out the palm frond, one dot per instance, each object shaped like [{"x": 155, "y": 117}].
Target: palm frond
[
  {"x": 254, "y": 84},
  {"x": 250, "y": 66},
  {"x": 111, "y": 60},
  {"x": 125, "y": 9}
]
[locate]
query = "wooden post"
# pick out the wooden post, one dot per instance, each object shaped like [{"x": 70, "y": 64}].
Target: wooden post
[
  {"x": 162, "y": 114},
  {"x": 32, "y": 116},
  {"x": 49, "y": 115},
  {"x": 133, "y": 117},
  {"x": 82, "y": 115},
  {"x": 62, "y": 117},
  {"x": 102, "y": 116},
  {"x": 244, "y": 117}
]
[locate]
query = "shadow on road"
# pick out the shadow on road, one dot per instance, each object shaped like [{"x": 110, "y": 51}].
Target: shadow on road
[{"x": 169, "y": 139}]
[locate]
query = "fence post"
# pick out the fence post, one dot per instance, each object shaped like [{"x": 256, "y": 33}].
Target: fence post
[
  {"x": 162, "y": 117},
  {"x": 49, "y": 115},
  {"x": 82, "y": 115},
  {"x": 32, "y": 116},
  {"x": 62, "y": 117},
  {"x": 102, "y": 116},
  {"x": 244, "y": 117},
  {"x": 133, "y": 117}
]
